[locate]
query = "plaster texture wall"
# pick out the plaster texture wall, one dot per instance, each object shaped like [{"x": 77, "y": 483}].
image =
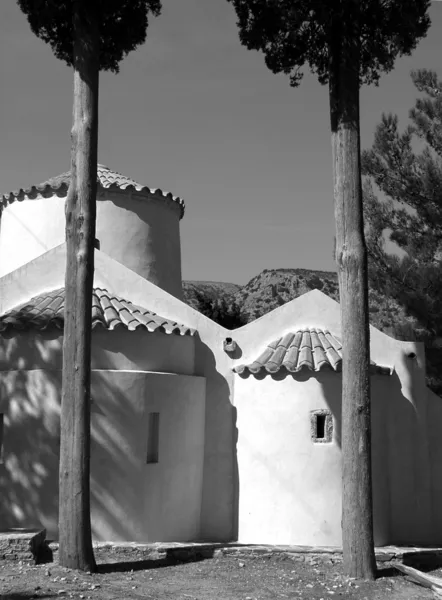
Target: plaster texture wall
[
  {"x": 124, "y": 390},
  {"x": 130, "y": 500},
  {"x": 405, "y": 492},
  {"x": 118, "y": 349},
  {"x": 29, "y": 228},
  {"x": 30, "y": 402},
  {"x": 220, "y": 481},
  {"x": 434, "y": 419},
  {"x": 42, "y": 274},
  {"x": 401, "y": 400},
  {"x": 290, "y": 486},
  {"x": 218, "y": 517},
  {"x": 143, "y": 350},
  {"x": 412, "y": 489},
  {"x": 139, "y": 230},
  {"x": 406, "y": 438},
  {"x": 142, "y": 232},
  {"x": 143, "y": 502}
]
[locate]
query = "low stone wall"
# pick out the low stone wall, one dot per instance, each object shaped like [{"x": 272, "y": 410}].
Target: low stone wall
[
  {"x": 26, "y": 545},
  {"x": 385, "y": 556}
]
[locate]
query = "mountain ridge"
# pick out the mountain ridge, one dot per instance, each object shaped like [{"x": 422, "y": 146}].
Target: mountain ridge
[
  {"x": 274, "y": 287},
  {"x": 233, "y": 305}
]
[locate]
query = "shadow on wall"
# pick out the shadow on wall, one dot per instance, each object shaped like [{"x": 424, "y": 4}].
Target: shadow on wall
[
  {"x": 402, "y": 454},
  {"x": 30, "y": 396},
  {"x": 29, "y": 402},
  {"x": 235, "y": 507},
  {"x": 220, "y": 497},
  {"x": 116, "y": 459}
]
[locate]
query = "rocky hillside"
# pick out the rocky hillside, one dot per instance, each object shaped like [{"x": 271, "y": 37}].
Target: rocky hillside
[
  {"x": 274, "y": 287},
  {"x": 233, "y": 305}
]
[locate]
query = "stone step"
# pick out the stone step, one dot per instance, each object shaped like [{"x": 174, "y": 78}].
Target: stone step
[{"x": 26, "y": 545}]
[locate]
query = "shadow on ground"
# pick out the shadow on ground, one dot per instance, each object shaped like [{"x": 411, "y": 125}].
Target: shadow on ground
[
  {"x": 387, "y": 572},
  {"x": 170, "y": 557},
  {"x": 45, "y": 555},
  {"x": 424, "y": 561},
  {"x": 147, "y": 564},
  {"x": 24, "y": 596}
]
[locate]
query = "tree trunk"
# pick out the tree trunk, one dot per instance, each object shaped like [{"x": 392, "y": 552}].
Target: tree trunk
[
  {"x": 351, "y": 258},
  {"x": 75, "y": 537}
]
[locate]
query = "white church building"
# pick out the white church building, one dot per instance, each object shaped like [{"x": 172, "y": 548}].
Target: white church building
[{"x": 198, "y": 433}]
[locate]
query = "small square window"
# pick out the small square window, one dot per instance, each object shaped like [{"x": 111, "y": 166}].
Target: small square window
[
  {"x": 153, "y": 437},
  {"x": 321, "y": 426}
]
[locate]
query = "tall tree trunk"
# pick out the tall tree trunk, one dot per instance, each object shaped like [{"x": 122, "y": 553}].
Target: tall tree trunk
[
  {"x": 75, "y": 537},
  {"x": 351, "y": 258}
]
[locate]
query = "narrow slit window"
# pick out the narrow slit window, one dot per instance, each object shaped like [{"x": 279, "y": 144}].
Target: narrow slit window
[
  {"x": 153, "y": 435},
  {"x": 1, "y": 437},
  {"x": 321, "y": 426}
]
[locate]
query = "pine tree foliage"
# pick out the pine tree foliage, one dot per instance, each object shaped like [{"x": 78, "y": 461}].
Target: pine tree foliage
[
  {"x": 406, "y": 167},
  {"x": 403, "y": 204},
  {"x": 224, "y": 309},
  {"x": 294, "y": 33},
  {"x": 123, "y": 26}
]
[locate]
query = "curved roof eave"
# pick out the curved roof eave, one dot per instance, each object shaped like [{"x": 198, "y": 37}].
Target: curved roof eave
[
  {"x": 106, "y": 179},
  {"x": 309, "y": 348}
]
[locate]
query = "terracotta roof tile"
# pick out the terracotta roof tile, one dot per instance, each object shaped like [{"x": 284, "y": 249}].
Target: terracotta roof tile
[
  {"x": 310, "y": 348},
  {"x": 108, "y": 311},
  {"x": 106, "y": 179}
]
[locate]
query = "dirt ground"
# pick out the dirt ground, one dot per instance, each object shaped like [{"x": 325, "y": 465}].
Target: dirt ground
[{"x": 127, "y": 575}]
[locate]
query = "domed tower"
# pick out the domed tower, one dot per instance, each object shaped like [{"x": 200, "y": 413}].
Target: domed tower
[{"x": 136, "y": 225}]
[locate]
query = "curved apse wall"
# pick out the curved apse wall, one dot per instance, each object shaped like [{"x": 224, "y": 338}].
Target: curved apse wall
[{"x": 138, "y": 229}]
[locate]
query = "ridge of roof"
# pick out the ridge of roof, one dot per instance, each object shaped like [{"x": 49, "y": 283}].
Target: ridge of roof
[
  {"x": 309, "y": 347},
  {"x": 109, "y": 311},
  {"x": 106, "y": 178}
]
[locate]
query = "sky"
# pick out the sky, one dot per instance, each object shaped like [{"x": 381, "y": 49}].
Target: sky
[{"x": 195, "y": 113}]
